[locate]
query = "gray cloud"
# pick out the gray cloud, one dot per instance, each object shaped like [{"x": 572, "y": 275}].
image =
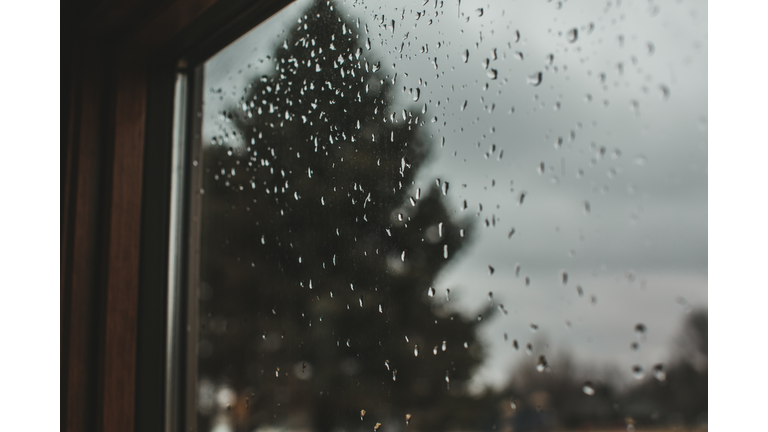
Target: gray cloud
[{"x": 634, "y": 146}]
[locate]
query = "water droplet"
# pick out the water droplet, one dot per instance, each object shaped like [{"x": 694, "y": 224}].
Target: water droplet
[
  {"x": 638, "y": 372},
  {"x": 402, "y": 256},
  {"x": 444, "y": 347},
  {"x": 377, "y": 426},
  {"x": 529, "y": 349},
  {"x": 565, "y": 278},
  {"x": 465, "y": 56},
  {"x": 431, "y": 292},
  {"x": 640, "y": 330},
  {"x": 491, "y": 269},
  {"x": 485, "y": 63},
  {"x": 588, "y": 388},
  {"x": 362, "y": 414},
  {"x": 572, "y": 35},
  {"x": 415, "y": 350},
  {"x": 447, "y": 295},
  {"x": 466, "y": 345},
  {"x": 492, "y": 74},
  {"x": 541, "y": 364},
  {"x": 416, "y": 94},
  {"x": 587, "y": 207},
  {"x": 445, "y": 251},
  {"x": 407, "y": 419},
  {"x": 659, "y": 373},
  {"x": 534, "y": 79},
  {"x": 664, "y": 91}
]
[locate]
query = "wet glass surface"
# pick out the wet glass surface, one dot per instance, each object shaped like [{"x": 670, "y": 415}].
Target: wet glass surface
[{"x": 456, "y": 215}]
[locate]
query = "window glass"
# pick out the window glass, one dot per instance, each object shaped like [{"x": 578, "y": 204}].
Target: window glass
[{"x": 446, "y": 215}]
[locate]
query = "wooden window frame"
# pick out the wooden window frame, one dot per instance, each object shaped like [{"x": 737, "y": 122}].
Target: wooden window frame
[{"x": 119, "y": 64}]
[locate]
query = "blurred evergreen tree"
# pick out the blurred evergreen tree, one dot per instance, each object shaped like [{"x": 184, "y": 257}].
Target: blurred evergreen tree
[
  {"x": 318, "y": 252},
  {"x": 670, "y": 394},
  {"x": 681, "y": 395}
]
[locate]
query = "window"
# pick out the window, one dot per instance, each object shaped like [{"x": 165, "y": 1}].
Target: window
[
  {"x": 450, "y": 215},
  {"x": 370, "y": 215}
]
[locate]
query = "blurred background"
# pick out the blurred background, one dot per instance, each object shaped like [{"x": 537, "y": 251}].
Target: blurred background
[{"x": 457, "y": 215}]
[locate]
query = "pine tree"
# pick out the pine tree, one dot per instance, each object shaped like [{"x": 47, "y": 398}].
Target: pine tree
[{"x": 319, "y": 253}]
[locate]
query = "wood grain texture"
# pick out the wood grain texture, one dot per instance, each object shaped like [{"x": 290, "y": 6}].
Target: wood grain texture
[
  {"x": 122, "y": 268},
  {"x": 121, "y": 297},
  {"x": 80, "y": 246},
  {"x": 110, "y": 46}
]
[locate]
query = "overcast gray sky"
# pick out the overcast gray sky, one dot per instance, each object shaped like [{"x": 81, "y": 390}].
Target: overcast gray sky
[{"x": 633, "y": 81}]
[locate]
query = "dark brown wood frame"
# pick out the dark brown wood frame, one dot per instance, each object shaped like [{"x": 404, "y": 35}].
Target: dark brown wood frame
[{"x": 118, "y": 63}]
